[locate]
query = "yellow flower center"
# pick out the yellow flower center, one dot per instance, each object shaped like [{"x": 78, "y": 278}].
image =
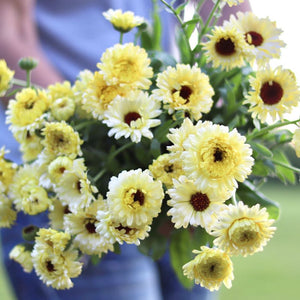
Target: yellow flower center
[{"x": 244, "y": 232}]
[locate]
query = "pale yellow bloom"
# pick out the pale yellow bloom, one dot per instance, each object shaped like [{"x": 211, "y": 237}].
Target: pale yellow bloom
[
  {"x": 31, "y": 146},
  {"x": 8, "y": 215},
  {"x": 21, "y": 255},
  {"x": 7, "y": 170},
  {"x": 6, "y": 76},
  {"x": 210, "y": 268}
]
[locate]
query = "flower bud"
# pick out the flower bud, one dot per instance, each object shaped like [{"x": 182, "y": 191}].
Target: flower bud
[
  {"x": 29, "y": 232},
  {"x": 27, "y": 63}
]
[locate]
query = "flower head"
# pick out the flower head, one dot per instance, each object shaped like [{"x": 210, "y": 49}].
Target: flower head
[
  {"x": 122, "y": 21},
  {"x": 185, "y": 88},
  {"x": 243, "y": 230},
  {"x": 6, "y": 76},
  {"x": 22, "y": 255},
  {"x": 126, "y": 65},
  {"x": 132, "y": 116},
  {"x": 210, "y": 268},
  {"x": 275, "y": 93},
  {"x": 7, "y": 214}
]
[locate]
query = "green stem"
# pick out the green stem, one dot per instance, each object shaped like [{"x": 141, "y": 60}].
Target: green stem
[
  {"x": 206, "y": 25},
  {"x": 267, "y": 129},
  {"x": 121, "y": 149},
  {"x": 84, "y": 124},
  {"x": 121, "y": 37},
  {"x": 19, "y": 82},
  {"x": 276, "y": 162},
  {"x": 99, "y": 175},
  {"x": 233, "y": 198},
  {"x": 28, "y": 83}
]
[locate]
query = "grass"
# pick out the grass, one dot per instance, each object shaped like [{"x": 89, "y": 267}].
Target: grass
[{"x": 273, "y": 274}]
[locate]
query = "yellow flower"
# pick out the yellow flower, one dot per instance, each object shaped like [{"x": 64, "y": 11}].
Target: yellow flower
[
  {"x": 7, "y": 170},
  {"x": 275, "y": 93},
  {"x": 185, "y": 88},
  {"x": 58, "y": 166},
  {"x": 57, "y": 211},
  {"x": 61, "y": 139},
  {"x": 122, "y": 21},
  {"x": 296, "y": 141},
  {"x": 7, "y": 214},
  {"x": 216, "y": 159},
  {"x": 226, "y": 48},
  {"x": 165, "y": 170},
  {"x": 192, "y": 206},
  {"x": 210, "y": 268},
  {"x": 132, "y": 116},
  {"x": 83, "y": 225},
  {"x": 31, "y": 146},
  {"x": 99, "y": 95},
  {"x": 27, "y": 111},
  {"x": 126, "y": 65},
  {"x": 243, "y": 230},
  {"x": 6, "y": 76},
  {"x": 22, "y": 255},
  {"x": 134, "y": 198}
]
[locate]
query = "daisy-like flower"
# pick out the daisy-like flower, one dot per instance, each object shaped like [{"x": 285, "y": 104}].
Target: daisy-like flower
[
  {"x": 114, "y": 231},
  {"x": 191, "y": 206},
  {"x": 132, "y": 116},
  {"x": 56, "y": 214},
  {"x": 7, "y": 170},
  {"x": 134, "y": 198},
  {"x": 210, "y": 268},
  {"x": 185, "y": 88},
  {"x": 216, "y": 158},
  {"x": 296, "y": 141},
  {"x": 243, "y": 230},
  {"x": 31, "y": 146},
  {"x": 22, "y": 255},
  {"x": 6, "y": 76},
  {"x": 275, "y": 93},
  {"x": 99, "y": 94},
  {"x": 123, "y": 21},
  {"x": 165, "y": 170},
  {"x": 61, "y": 164},
  {"x": 261, "y": 33},
  {"x": 226, "y": 48},
  {"x": 7, "y": 214},
  {"x": 83, "y": 225},
  {"x": 27, "y": 111},
  {"x": 61, "y": 139},
  {"x": 126, "y": 65},
  {"x": 54, "y": 265},
  {"x": 74, "y": 188}
]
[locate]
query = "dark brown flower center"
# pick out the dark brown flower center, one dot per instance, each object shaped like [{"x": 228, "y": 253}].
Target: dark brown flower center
[
  {"x": 139, "y": 196},
  {"x": 121, "y": 227},
  {"x": 66, "y": 210},
  {"x": 271, "y": 92},
  {"x": 131, "y": 116},
  {"x": 185, "y": 93},
  {"x": 90, "y": 226},
  {"x": 218, "y": 155},
  {"x": 254, "y": 38},
  {"x": 199, "y": 201},
  {"x": 225, "y": 47},
  {"x": 169, "y": 168},
  {"x": 50, "y": 266}
]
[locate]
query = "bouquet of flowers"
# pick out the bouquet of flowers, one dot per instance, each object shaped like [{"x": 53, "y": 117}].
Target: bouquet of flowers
[{"x": 162, "y": 152}]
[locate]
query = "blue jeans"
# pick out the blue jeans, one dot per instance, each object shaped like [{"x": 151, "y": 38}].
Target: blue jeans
[{"x": 129, "y": 275}]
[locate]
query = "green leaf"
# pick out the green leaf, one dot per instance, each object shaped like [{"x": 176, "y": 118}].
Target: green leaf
[
  {"x": 154, "y": 246},
  {"x": 261, "y": 149},
  {"x": 180, "y": 254},
  {"x": 260, "y": 169},
  {"x": 250, "y": 196},
  {"x": 284, "y": 174},
  {"x": 181, "y": 7},
  {"x": 155, "y": 148}
]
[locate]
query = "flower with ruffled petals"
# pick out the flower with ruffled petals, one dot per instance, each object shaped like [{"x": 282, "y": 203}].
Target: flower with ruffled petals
[
  {"x": 6, "y": 76},
  {"x": 7, "y": 214},
  {"x": 210, "y": 268},
  {"x": 22, "y": 255},
  {"x": 243, "y": 230}
]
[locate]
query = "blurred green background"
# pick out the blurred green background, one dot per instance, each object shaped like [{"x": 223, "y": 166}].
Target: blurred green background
[{"x": 273, "y": 274}]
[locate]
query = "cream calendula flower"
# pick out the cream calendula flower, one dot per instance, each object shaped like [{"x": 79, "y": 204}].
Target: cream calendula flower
[
  {"x": 7, "y": 170},
  {"x": 31, "y": 146},
  {"x": 132, "y": 116},
  {"x": 261, "y": 33},
  {"x": 98, "y": 95},
  {"x": 185, "y": 88},
  {"x": 296, "y": 141},
  {"x": 8, "y": 215},
  {"x": 217, "y": 158},
  {"x": 165, "y": 170},
  {"x": 74, "y": 188},
  {"x": 134, "y": 198},
  {"x": 123, "y": 21},
  {"x": 6, "y": 75},
  {"x": 61, "y": 139},
  {"x": 226, "y": 48},
  {"x": 274, "y": 93},
  {"x": 192, "y": 206},
  {"x": 55, "y": 265},
  {"x": 210, "y": 268},
  {"x": 27, "y": 111},
  {"x": 126, "y": 65},
  {"x": 243, "y": 230},
  {"x": 22, "y": 255},
  {"x": 61, "y": 164},
  {"x": 83, "y": 225}
]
